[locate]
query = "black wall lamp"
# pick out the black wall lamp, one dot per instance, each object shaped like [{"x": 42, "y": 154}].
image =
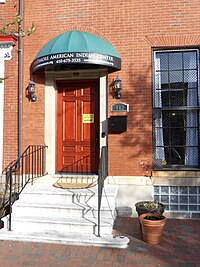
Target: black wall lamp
[
  {"x": 31, "y": 90},
  {"x": 117, "y": 86}
]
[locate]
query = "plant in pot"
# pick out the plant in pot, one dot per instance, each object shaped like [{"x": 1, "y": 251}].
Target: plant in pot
[
  {"x": 152, "y": 225},
  {"x": 149, "y": 207}
]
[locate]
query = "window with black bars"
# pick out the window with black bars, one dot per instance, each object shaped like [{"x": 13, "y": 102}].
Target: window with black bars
[{"x": 176, "y": 109}]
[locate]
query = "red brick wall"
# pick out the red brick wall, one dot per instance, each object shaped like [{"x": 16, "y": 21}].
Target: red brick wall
[
  {"x": 134, "y": 28},
  {"x": 10, "y": 109},
  {"x": 10, "y": 149}
]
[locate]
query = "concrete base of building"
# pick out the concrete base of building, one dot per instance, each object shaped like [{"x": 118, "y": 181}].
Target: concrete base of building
[{"x": 133, "y": 189}]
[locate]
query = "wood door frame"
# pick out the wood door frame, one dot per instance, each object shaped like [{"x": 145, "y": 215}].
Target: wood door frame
[
  {"x": 59, "y": 126},
  {"x": 50, "y": 108}
]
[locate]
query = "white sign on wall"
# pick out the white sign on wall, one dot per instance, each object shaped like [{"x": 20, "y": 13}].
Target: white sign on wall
[{"x": 5, "y": 53}]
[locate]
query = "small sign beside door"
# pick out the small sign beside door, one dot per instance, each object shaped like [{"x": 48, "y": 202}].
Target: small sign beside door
[
  {"x": 120, "y": 107},
  {"x": 88, "y": 118}
]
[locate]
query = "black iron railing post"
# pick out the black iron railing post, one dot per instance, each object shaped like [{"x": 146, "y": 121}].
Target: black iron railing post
[
  {"x": 99, "y": 205},
  {"x": 102, "y": 174},
  {"x": 32, "y": 163},
  {"x": 10, "y": 202},
  {"x": 44, "y": 161}
]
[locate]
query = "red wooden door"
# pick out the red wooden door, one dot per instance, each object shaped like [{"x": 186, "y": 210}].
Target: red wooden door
[{"x": 78, "y": 126}]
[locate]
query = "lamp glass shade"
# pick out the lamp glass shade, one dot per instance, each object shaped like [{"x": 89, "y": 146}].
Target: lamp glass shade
[
  {"x": 117, "y": 83},
  {"x": 31, "y": 88}
]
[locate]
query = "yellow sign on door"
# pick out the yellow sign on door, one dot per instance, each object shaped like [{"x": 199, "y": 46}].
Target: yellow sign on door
[{"x": 88, "y": 118}]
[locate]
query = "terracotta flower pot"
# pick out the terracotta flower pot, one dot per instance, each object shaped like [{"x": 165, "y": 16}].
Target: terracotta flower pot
[{"x": 152, "y": 227}]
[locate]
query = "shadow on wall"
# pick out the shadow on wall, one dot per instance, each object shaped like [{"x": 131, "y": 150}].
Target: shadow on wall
[{"x": 137, "y": 140}]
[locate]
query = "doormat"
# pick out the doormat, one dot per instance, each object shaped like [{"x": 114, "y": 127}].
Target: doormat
[{"x": 73, "y": 185}]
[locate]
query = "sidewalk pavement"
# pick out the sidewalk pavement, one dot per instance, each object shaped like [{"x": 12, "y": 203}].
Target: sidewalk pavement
[{"x": 180, "y": 247}]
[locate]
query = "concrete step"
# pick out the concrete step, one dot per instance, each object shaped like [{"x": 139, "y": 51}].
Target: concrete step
[
  {"x": 60, "y": 209},
  {"x": 59, "y": 237},
  {"x": 39, "y": 193},
  {"x": 67, "y": 225},
  {"x": 75, "y": 178},
  {"x": 70, "y": 178}
]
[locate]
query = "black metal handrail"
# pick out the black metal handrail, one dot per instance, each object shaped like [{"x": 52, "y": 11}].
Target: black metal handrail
[
  {"x": 30, "y": 165},
  {"x": 102, "y": 174}
]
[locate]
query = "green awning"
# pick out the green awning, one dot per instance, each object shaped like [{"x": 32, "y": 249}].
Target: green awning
[{"x": 75, "y": 49}]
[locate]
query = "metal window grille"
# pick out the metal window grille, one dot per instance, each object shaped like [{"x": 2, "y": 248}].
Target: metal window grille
[{"x": 176, "y": 109}]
